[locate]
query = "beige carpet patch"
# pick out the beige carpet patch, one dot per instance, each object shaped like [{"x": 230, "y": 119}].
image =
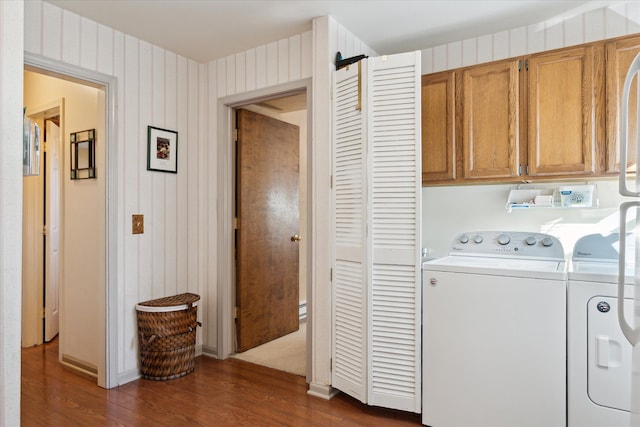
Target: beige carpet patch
[{"x": 287, "y": 353}]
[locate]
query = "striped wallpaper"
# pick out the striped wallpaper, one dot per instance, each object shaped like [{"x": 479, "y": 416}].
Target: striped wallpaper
[{"x": 617, "y": 20}]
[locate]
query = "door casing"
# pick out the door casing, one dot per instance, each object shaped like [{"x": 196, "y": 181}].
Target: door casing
[
  {"x": 226, "y": 199},
  {"x": 107, "y": 306}
]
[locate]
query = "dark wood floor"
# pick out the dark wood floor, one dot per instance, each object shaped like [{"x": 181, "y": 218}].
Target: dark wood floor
[{"x": 217, "y": 393}]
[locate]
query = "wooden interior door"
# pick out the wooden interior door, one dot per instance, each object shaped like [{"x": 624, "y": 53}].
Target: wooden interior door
[{"x": 267, "y": 289}]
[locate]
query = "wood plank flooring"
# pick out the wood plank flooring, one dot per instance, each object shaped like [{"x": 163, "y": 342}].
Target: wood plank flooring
[{"x": 217, "y": 393}]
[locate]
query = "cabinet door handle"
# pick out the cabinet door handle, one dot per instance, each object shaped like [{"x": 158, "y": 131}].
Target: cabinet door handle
[{"x": 296, "y": 238}]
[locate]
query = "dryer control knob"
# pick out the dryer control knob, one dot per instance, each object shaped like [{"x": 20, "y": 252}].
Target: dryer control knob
[
  {"x": 530, "y": 241},
  {"x": 477, "y": 239},
  {"x": 464, "y": 239},
  {"x": 504, "y": 239},
  {"x": 547, "y": 241}
]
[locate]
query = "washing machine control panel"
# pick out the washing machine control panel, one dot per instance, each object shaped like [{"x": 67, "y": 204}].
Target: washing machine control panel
[{"x": 508, "y": 243}]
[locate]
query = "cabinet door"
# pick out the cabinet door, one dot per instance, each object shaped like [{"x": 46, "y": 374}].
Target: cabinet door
[
  {"x": 438, "y": 127},
  {"x": 561, "y": 106},
  {"x": 620, "y": 53},
  {"x": 491, "y": 134}
]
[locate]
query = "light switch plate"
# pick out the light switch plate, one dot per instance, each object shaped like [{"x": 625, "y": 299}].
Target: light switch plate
[{"x": 137, "y": 224}]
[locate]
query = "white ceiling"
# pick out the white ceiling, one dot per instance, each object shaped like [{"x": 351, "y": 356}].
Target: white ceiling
[{"x": 204, "y": 30}]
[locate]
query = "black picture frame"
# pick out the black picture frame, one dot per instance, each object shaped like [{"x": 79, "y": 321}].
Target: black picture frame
[{"x": 162, "y": 150}]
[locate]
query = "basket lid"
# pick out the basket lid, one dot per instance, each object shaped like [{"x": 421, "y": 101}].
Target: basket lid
[{"x": 176, "y": 301}]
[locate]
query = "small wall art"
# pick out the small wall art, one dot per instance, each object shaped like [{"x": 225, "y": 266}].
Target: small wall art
[
  {"x": 162, "y": 150},
  {"x": 83, "y": 154}
]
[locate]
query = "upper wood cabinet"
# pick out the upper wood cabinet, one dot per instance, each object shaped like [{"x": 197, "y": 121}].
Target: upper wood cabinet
[
  {"x": 531, "y": 117},
  {"x": 562, "y": 101},
  {"x": 438, "y": 127},
  {"x": 536, "y": 117},
  {"x": 619, "y": 54},
  {"x": 490, "y": 120}
]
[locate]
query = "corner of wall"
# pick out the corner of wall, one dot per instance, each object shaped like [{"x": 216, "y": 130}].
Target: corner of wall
[
  {"x": 207, "y": 351},
  {"x": 129, "y": 376},
  {"x": 322, "y": 391}
]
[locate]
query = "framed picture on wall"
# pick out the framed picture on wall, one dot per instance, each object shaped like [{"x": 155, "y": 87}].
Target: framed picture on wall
[{"x": 162, "y": 150}]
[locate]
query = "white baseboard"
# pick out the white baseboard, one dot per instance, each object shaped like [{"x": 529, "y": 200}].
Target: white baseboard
[
  {"x": 209, "y": 351},
  {"x": 127, "y": 377},
  {"x": 134, "y": 374},
  {"x": 79, "y": 365},
  {"x": 302, "y": 310},
  {"x": 322, "y": 391}
]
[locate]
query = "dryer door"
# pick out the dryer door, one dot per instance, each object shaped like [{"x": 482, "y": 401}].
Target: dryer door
[{"x": 609, "y": 368}]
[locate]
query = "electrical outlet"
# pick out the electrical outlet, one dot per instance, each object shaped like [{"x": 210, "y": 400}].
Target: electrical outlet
[{"x": 137, "y": 224}]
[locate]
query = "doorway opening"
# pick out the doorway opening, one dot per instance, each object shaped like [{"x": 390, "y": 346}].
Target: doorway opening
[
  {"x": 87, "y": 243},
  {"x": 277, "y": 337},
  {"x": 71, "y": 224}
]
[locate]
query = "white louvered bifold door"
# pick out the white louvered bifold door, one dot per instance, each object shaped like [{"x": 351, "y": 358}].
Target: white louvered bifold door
[
  {"x": 349, "y": 369},
  {"x": 394, "y": 312},
  {"x": 376, "y": 222}
]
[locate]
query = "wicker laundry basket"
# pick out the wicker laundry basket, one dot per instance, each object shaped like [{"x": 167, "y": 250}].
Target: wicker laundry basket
[{"x": 167, "y": 336}]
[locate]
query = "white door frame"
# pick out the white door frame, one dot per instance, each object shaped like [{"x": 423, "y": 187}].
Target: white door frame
[
  {"x": 226, "y": 275},
  {"x": 107, "y": 306}
]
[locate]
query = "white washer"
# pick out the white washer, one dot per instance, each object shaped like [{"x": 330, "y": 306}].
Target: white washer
[
  {"x": 599, "y": 356},
  {"x": 494, "y": 332}
]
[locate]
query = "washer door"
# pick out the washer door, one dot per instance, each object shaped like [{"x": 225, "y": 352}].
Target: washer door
[{"x": 609, "y": 353}]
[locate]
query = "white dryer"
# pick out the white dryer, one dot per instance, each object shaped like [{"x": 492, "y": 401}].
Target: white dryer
[
  {"x": 599, "y": 356},
  {"x": 494, "y": 332}
]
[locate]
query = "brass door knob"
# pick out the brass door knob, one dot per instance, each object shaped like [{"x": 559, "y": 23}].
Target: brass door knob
[{"x": 296, "y": 238}]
